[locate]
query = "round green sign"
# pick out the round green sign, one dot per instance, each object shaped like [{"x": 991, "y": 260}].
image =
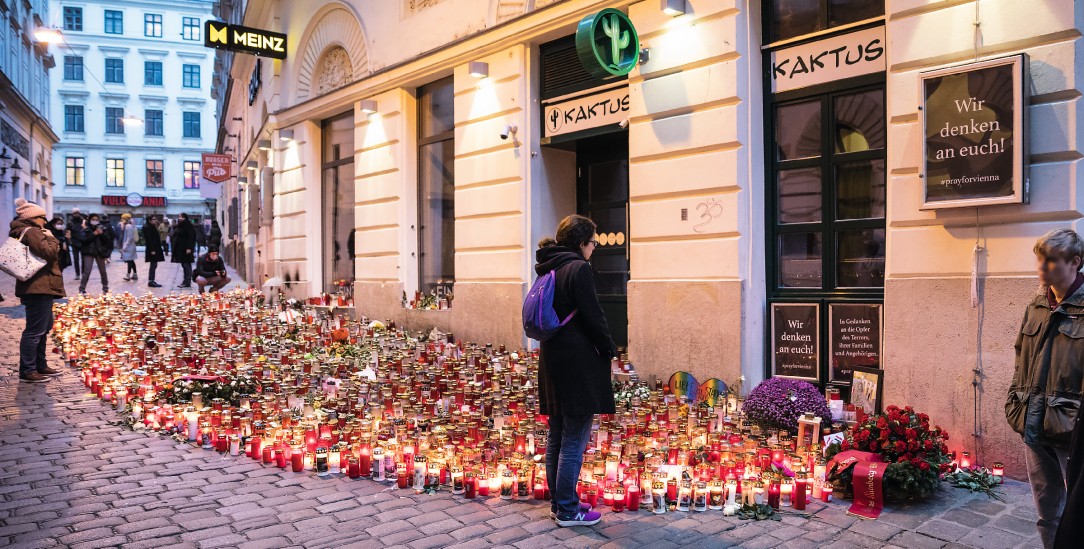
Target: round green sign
[{"x": 607, "y": 44}]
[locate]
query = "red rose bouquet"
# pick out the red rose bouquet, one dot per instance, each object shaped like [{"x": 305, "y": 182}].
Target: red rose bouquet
[{"x": 917, "y": 453}]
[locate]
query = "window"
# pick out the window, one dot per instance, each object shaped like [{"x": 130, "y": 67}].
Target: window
[
  {"x": 73, "y": 118},
  {"x": 74, "y": 167},
  {"x": 337, "y": 193},
  {"x": 152, "y": 25},
  {"x": 436, "y": 186},
  {"x": 114, "y": 70},
  {"x": 73, "y": 68},
  {"x": 191, "y": 174},
  {"x": 190, "y": 74},
  {"x": 114, "y": 172},
  {"x": 190, "y": 28},
  {"x": 152, "y": 122},
  {"x": 154, "y": 173},
  {"x": 73, "y": 18},
  {"x": 152, "y": 73},
  {"x": 114, "y": 22},
  {"x": 191, "y": 124},
  {"x": 113, "y": 120},
  {"x": 791, "y": 18}
]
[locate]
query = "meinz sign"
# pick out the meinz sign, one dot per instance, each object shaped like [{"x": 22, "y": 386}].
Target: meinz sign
[
  {"x": 244, "y": 39},
  {"x": 974, "y": 122}
]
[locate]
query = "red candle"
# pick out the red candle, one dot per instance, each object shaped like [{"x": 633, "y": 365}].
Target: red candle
[
  {"x": 632, "y": 497},
  {"x": 354, "y": 469},
  {"x": 297, "y": 460},
  {"x": 365, "y": 462},
  {"x": 310, "y": 440},
  {"x": 254, "y": 448},
  {"x": 619, "y": 500},
  {"x": 799, "y": 493},
  {"x": 402, "y": 476},
  {"x": 470, "y": 487},
  {"x": 268, "y": 454},
  {"x": 280, "y": 457},
  {"x": 539, "y": 492}
]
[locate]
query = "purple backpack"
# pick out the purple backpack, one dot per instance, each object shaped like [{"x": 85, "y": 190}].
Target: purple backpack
[{"x": 540, "y": 321}]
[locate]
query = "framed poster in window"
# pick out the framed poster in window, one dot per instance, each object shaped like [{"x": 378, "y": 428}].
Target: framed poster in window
[
  {"x": 866, "y": 389},
  {"x": 974, "y": 128},
  {"x": 795, "y": 338},
  {"x": 854, "y": 338}
]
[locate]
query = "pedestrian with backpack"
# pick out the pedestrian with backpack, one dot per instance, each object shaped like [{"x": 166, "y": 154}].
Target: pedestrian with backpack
[{"x": 563, "y": 312}]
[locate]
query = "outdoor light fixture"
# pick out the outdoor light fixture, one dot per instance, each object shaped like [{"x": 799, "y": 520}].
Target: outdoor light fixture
[
  {"x": 286, "y": 135},
  {"x": 48, "y": 35},
  {"x": 478, "y": 69},
  {"x": 645, "y": 55},
  {"x": 673, "y": 8},
  {"x": 252, "y": 165},
  {"x": 15, "y": 176},
  {"x": 264, "y": 145},
  {"x": 130, "y": 120},
  {"x": 242, "y": 181},
  {"x": 368, "y": 106}
]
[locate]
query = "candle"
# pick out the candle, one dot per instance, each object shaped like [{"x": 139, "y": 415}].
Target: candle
[
  {"x": 773, "y": 495},
  {"x": 965, "y": 460},
  {"x": 470, "y": 485},
  {"x": 378, "y": 464},
  {"x": 401, "y": 476},
  {"x": 685, "y": 496},
  {"x": 321, "y": 461},
  {"x": 619, "y": 498},
  {"x": 353, "y": 468},
  {"x": 492, "y": 485},
  {"x": 700, "y": 496},
  {"x": 799, "y": 493},
  {"x": 280, "y": 456},
  {"x": 235, "y": 445},
  {"x": 786, "y": 492},
  {"x": 254, "y": 448},
  {"x": 632, "y": 497},
  {"x": 506, "y": 484},
  {"x": 334, "y": 460},
  {"x": 608, "y": 495},
  {"x": 998, "y": 471},
  {"x": 268, "y": 454},
  {"x": 458, "y": 486},
  {"x": 658, "y": 497},
  {"x": 365, "y": 461},
  {"x": 715, "y": 495},
  {"x": 826, "y": 493},
  {"x": 419, "y": 473}
]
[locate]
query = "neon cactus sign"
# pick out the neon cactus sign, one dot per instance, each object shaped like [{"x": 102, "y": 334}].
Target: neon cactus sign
[{"x": 607, "y": 44}]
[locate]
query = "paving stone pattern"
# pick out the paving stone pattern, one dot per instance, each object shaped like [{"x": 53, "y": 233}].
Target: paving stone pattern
[{"x": 70, "y": 477}]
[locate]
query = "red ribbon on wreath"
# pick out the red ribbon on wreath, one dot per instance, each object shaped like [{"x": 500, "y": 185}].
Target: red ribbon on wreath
[{"x": 869, "y": 471}]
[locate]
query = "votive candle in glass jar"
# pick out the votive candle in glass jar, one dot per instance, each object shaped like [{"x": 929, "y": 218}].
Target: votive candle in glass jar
[
  {"x": 321, "y": 464},
  {"x": 700, "y": 496},
  {"x": 632, "y": 497},
  {"x": 799, "y": 493},
  {"x": 658, "y": 497},
  {"x": 235, "y": 445},
  {"x": 401, "y": 476},
  {"x": 506, "y": 484},
  {"x": 685, "y": 496},
  {"x": 786, "y": 492},
  {"x": 297, "y": 459},
  {"x": 378, "y": 464},
  {"x": 458, "y": 486},
  {"x": 826, "y": 493},
  {"x": 619, "y": 498},
  {"x": 715, "y": 495},
  {"x": 470, "y": 485},
  {"x": 998, "y": 470},
  {"x": 419, "y": 473}
]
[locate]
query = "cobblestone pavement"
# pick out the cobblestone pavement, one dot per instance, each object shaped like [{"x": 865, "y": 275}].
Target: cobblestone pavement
[{"x": 70, "y": 477}]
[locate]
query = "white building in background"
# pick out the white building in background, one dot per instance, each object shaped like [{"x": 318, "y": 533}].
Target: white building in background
[
  {"x": 26, "y": 138},
  {"x": 132, "y": 105}
]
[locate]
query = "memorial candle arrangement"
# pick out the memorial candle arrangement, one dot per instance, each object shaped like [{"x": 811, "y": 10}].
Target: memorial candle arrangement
[{"x": 419, "y": 413}]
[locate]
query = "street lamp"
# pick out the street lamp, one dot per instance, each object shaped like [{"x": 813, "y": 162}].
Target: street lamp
[
  {"x": 48, "y": 35},
  {"x": 130, "y": 120}
]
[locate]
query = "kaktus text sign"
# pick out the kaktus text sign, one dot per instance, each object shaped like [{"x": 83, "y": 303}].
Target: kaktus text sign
[{"x": 973, "y": 134}]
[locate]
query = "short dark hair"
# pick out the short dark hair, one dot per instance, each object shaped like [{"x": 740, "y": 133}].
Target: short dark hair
[
  {"x": 547, "y": 242},
  {"x": 575, "y": 231},
  {"x": 184, "y": 216},
  {"x": 92, "y": 216},
  {"x": 212, "y": 249}
]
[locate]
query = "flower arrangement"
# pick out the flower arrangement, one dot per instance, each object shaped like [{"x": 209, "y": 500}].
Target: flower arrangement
[
  {"x": 778, "y": 402},
  {"x": 229, "y": 390},
  {"x": 630, "y": 393},
  {"x": 917, "y": 454}
]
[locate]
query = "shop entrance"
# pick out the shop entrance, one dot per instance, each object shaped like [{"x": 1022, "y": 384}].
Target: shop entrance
[{"x": 602, "y": 193}]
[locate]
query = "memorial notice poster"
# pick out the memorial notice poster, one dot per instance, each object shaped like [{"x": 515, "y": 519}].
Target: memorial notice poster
[
  {"x": 795, "y": 340},
  {"x": 974, "y": 127},
  {"x": 854, "y": 338}
]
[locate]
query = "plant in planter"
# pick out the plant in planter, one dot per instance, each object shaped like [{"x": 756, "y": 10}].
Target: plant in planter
[
  {"x": 917, "y": 454},
  {"x": 778, "y": 402}
]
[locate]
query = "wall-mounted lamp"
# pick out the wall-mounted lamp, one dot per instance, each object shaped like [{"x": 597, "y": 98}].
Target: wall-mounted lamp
[
  {"x": 252, "y": 165},
  {"x": 129, "y": 120},
  {"x": 478, "y": 69},
  {"x": 368, "y": 106},
  {"x": 242, "y": 181},
  {"x": 15, "y": 176},
  {"x": 264, "y": 145},
  {"x": 48, "y": 35},
  {"x": 645, "y": 55},
  {"x": 286, "y": 135},
  {"x": 673, "y": 8}
]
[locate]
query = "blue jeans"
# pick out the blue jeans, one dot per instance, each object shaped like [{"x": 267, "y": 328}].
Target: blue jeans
[
  {"x": 39, "y": 320},
  {"x": 568, "y": 439}
]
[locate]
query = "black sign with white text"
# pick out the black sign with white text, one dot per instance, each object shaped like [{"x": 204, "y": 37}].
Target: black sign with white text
[
  {"x": 855, "y": 337},
  {"x": 795, "y": 340}
]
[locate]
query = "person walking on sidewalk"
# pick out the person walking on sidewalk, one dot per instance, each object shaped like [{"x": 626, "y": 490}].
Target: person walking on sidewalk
[
  {"x": 64, "y": 258},
  {"x": 75, "y": 241},
  {"x": 211, "y": 271},
  {"x": 97, "y": 249},
  {"x": 153, "y": 253},
  {"x": 38, "y": 292},
  {"x": 128, "y": 241},
  {"x": 574, "y": 365},
  {"x": 164, "y": 228},
  {"x": 184, "y": 243},
  {"x": 1045, "y": 392},
  {"x": 214, "y": 238}
]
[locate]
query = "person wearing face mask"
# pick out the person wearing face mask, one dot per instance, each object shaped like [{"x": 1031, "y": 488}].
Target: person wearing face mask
[
  {"x": 75, "y": 242},
  {"x": 56, "y": 226},
  {"x": 97, "y": 247},
  {"x": 128, "y": 239},
  {"x": 37, "y": 292}
]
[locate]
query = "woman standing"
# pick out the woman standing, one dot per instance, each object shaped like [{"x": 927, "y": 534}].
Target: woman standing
[
  {"x": 574, "y": 365},
  {"x": 128, "y": 246},
  {"x": 152, "y": 242},
  {"x": 37, "y": 292},
  {"x": 56, "y": 226},
  {"x": 215, "y": 238}
]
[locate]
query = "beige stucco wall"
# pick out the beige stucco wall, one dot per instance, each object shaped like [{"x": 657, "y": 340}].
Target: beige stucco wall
[{"x": 934, "y": 338}]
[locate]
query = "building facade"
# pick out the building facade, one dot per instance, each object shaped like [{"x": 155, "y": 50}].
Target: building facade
[
  {"x": 26, "y": 136},
  {"x": 132, "y": 104},
  {"x": 756, "y": 169}
]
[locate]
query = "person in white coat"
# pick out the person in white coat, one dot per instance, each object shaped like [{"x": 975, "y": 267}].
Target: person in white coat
[{"x": 128, "y": 246}]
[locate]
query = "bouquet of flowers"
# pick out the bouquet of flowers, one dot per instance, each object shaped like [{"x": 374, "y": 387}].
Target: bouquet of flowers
[
  {"x": 229, "y": 390},
  {"x": 778, "y": 402},
  {"x": 917, "y": 454},
  {"x": 625, "y": 392}
]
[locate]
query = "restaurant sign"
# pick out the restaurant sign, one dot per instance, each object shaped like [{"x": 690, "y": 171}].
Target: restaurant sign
[
  {"x": 853, "y": 54},
  {"x": 217, "y": 167},
  {"x": 607, "y": 44},
  {"x": 134, "y": 200},
  {"x": 589, "y": 111},
  {"x": 260, "y": 42},
  {"x": 973, "y": 119}
]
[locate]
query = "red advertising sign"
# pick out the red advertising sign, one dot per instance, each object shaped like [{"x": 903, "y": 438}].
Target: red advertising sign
[{"x": 217, "y": 167}]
